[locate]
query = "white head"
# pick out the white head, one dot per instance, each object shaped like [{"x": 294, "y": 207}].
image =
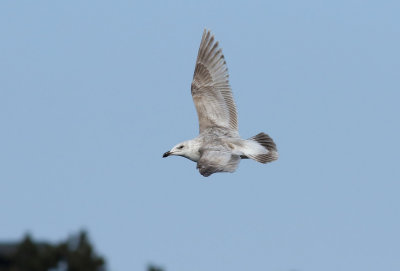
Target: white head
[{"x": 188, "y": 149}]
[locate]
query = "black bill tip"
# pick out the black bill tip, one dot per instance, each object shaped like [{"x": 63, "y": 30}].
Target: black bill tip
[{"x": 166, "y": 154}]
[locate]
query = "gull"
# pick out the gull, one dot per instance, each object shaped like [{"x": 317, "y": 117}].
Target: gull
[{"x": 218, "y": 147}]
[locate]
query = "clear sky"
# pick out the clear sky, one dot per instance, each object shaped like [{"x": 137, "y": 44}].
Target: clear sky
[{"x": 92, "y": 93}]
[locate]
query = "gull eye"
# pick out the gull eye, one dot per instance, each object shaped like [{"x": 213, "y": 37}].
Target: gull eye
[{"x": 180, "y": 147}]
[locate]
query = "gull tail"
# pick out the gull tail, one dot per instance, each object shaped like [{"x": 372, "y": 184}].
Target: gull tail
[{"x": 261, "y": 148}]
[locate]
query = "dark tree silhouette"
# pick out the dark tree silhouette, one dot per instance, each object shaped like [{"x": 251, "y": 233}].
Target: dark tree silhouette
[
  {"x": 76, "y": 253},
  {"x": 154, "y": 268}
]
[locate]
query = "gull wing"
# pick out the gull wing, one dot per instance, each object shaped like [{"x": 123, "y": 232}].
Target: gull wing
[
  {"x": 212, "y": 161},
  {"x": 211, "y": 92}
]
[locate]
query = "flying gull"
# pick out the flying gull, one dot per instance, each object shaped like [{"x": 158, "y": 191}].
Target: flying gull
[{"x": 218, "y": 148}]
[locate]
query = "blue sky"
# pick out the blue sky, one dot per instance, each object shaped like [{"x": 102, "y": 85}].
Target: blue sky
[{"x": 92, "y": 93}]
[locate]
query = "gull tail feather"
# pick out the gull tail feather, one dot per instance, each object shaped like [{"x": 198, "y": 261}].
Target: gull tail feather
[{"x": 260, "y": 148}]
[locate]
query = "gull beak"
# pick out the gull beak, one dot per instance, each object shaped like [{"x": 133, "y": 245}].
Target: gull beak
[{"x": 168, "y": 153}]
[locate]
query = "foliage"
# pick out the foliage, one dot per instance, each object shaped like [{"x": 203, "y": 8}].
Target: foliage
[{"x": 74, "y": 254}]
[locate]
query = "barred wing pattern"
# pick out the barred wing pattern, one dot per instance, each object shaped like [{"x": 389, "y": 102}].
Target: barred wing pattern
[{"x": 211, "y": 92}]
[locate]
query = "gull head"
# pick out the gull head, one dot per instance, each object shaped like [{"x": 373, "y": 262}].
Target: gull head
[{"x": 188, "y": 149}]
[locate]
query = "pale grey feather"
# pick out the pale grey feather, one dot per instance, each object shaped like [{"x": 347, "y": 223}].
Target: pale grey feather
[
  {"x": 217, "y": 153},
  {"x": 211, "y": 91},
  {"x": 217, "y": 161}
]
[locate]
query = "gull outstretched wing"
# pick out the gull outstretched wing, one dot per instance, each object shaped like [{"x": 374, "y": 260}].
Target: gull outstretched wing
[
  {"x": 211, "y": 92},
  {"x": 213, "y": 161}
]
